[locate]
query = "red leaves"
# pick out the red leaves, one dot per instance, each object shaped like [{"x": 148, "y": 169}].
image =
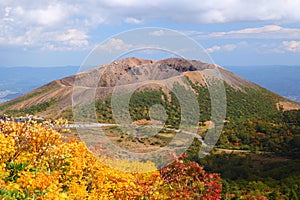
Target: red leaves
[{"x": 189, "y": 180}]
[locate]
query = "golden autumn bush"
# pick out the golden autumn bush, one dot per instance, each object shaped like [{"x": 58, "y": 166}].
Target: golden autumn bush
[{"x": 38, "y": 163}]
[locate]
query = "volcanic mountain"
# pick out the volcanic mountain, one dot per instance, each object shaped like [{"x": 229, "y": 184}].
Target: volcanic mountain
[{"x": 54, "y": 99}]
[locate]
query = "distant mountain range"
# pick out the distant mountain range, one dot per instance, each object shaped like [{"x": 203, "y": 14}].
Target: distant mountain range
[
  {"x": 283, "y": 80},
  {"x": 16, "y": 81}
]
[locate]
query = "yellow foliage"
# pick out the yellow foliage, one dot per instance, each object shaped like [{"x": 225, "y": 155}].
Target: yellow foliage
[{"x": 37, "y": 163}]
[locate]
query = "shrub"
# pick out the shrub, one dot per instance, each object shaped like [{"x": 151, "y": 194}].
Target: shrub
[{"x": 37, "y": 163}]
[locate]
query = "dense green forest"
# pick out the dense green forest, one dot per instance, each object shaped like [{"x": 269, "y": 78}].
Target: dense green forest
[{"x": 256, "y": 175}]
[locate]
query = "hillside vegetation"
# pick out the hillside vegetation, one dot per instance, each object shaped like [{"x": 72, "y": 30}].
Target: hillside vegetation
[
  {"x": 257, "y": 153},
  {"x": 37, "y": 163}
]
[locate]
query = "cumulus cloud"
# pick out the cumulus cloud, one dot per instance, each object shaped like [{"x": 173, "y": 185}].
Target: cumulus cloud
[
  {"x": 74, "y": 37},
  {"x": 132, "y": 20},
  {"x": 115, "y": 44},
  {"x": 229, "y": 47},
  {"x": 53, "y": 18},
  {"x": 157, "y": 33},
  {"x": 268, "y": 31},
  {"x": 226, "y": 47},
  {"x": 213, "y": 49},
  {"x": 48, "y": 16},
  {"x": 40, "y": 25},
  {"x": 46, "y": 26},
  {"x": 292, "y": 46},
  {"x": 206, "y": 11}
]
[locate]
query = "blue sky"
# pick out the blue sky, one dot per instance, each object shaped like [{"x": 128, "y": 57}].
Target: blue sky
[{"x": 233, "y": 32}]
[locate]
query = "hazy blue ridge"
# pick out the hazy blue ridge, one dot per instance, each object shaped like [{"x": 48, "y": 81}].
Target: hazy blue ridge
[
  {"x": 16, "y": 81},
  {"x": 283, "y": 80}
]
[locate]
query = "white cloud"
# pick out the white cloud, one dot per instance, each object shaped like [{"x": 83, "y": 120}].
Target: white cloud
[
  {"x": 131, "y": 20},
  {"x": 55, "y": 47},
  {"x": 114, "y": 44},
  {"x": 48, "y": 16},
  {"x": 226, "y": 47},
  {"x": 41, "y": 25},
  {"x": 211, "y": 11},
  {"x": 92, "y": 12},
  {"x": 292, "y": 46},
  {"x": 54, "y": 18},
  {"x": 73, "y": 34},
  {"x": 74, "y": 37},
  {"x": 213, "y": 49},
  {"x": 229, "y": 47},
  {"x": 5, "y": 93},
  {"x": 157, "y": 33},
  {"x": 260, "y": 47},
  {"x": 268, "y": 32},
  {"x": 206, "y": 11},
  {"x": 71, "y": 39}
]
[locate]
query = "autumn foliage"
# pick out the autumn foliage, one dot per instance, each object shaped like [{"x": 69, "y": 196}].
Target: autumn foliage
[{"x": 38, "y": 163}]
